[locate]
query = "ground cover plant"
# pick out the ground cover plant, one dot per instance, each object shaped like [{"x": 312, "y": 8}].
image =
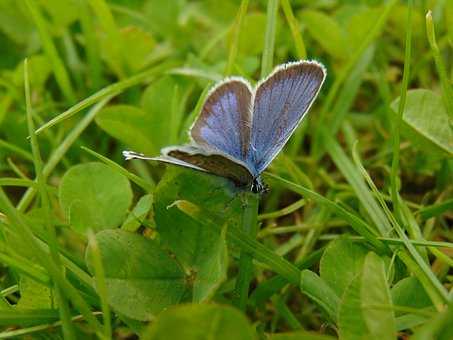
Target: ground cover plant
[{"x": 354, "y": 238}]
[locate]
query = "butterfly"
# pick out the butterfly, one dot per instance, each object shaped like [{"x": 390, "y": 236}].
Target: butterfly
[{"x": 241, "y": 128}]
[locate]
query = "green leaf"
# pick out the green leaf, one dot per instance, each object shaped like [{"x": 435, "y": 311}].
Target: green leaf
[
  {"x": 426, "y": 122},
  {"x": 141, "y": 278},
  {"x": 409, "y": 292},
  {"x": 318, "y": 290},
  {"x": 140, "y": 45},
  {"x": 34, "y": 295},
  {"x": 341, "y": 262},
  {"x": 140, "y": 211},
  {"x": 94, "y": 196},
  {"x": 201, "y": 250},
  {"x": 200, "y": 322},
  {"x": 327, "y": 32},
  {"x": 130, "y": 125},
  {"x": 366, "y": 309},
  {"x": 252, "y": 27}
]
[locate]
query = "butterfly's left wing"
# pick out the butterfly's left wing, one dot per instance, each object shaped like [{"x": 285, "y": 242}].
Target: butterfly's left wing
[
  {"x": 280, "y": 103},
  {"x": 225, "y": 119},
  {"x": 193, "y": 157}
]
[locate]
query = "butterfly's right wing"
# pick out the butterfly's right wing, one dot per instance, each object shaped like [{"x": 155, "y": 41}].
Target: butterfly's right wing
[{"x": 193, "y": 157}]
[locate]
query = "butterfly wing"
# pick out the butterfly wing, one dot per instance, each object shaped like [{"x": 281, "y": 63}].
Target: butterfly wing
[
  {"x": 225, "y": 119},
  {"x": 196, "y": 158},
  {"x": 280, "y": 103}
]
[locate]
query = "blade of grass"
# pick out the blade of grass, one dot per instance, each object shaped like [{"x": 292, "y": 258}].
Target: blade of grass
[
  {"x": 110, "y": 90},
  {"x": 447, "y": 89},
  {"x": 59, "y": 70},
  {"x": 247, "y": 244},
  {"x": 269, "y": 38},
  {"x": 101, "y": 286},
  {"x": 318, "y": 148},
  {"x": 436, "y": 209},
  {"x": 45, "y": 316},
  {"x": 282, "y": 212},
  {"x": 250, "y": 202},
  {"x": 68, "y": 330},
  {"x": 394, "y": 174},
  {"x": 237, "y": 26},
  {"x": 16, "y": 150},
  {"x": 295, "y": 29},
  {"x": 18, "y": 182},
  {"x": 147, "y": 186},
  {"x": 24, "y": 231},
  {"x": 58, "y": 153},
  {"x": 357, "y": 224},
  {"x": 432, "y": 285},
  {"x": 392, "y": 241},
  {"x": 353, "y": 176}
]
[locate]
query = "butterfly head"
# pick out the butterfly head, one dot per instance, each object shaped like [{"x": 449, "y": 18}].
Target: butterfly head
[{"x": 258, "y": 186}]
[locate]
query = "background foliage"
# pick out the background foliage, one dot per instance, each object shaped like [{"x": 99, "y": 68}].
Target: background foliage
[{"x": 354, "y": 238}]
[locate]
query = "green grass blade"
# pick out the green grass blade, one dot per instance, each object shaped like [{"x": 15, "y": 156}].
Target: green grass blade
[
  {"x": 101, "y": 286},
  {"x": 318, "y": 149},
  {"x": 61, "y": 75},
  {"x": 295, "y": 29},
  {"x": 24, "y": 231},
  {"x": 394, "y": 175},
  {"x": 147, "y": 186},
  {"x": 416, "y": 264},
  {"x": 68, "y": 330},
  {"x": 58, "y": 153},
  {"x": 110, "y": 90},
  {"x": 357, "y": 224},
  {"x": 269, "y": 39},
  {"x": 447, "y": 89},
  {"x": 250, "y": 202},
  {"x": 237, "y": 26},
  {"x": 353, "y": 176}
]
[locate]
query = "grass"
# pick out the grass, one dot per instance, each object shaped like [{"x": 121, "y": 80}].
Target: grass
[{"x": 356, "y": 227}]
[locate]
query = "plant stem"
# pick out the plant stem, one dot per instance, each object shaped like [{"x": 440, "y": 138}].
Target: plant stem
[{"x": 250, "y": 203}]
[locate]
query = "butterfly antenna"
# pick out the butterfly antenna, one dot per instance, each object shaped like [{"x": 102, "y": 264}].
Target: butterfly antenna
[{"x": 128, "y": 155}]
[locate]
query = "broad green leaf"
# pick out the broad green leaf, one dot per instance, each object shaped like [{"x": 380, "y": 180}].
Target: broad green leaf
[
  {"x": 327, "y": 32},
  {"x": 161, "y": 123},
  {"x": 140, "y": 211},
  {"x": 141, "y": 278},
  {"x": 341, "y": 262},
  {"x": 426, "y": 122},
  {"x": 318, "y": 290},
  {"x": 130, "y": 125},
  {"x": 202, "y": 251},
  {"x": 366, "y": 308},
  {"x": 409, "y": 292},
  {"x": 94, "y": 196},
  {"x": 200, "y": 322},
  {"x": 34, "y": 295},
  {"x": 140, "y": 45}
]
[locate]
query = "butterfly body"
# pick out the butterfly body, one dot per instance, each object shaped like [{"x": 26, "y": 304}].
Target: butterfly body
[{"x": 241, "y": 129}]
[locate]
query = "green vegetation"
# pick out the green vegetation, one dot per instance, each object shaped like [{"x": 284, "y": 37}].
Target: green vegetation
[{"x": 354, "y": 239}]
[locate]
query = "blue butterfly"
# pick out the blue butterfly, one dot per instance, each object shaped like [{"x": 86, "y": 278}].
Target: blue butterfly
[{"x": 241, "y": 129}]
